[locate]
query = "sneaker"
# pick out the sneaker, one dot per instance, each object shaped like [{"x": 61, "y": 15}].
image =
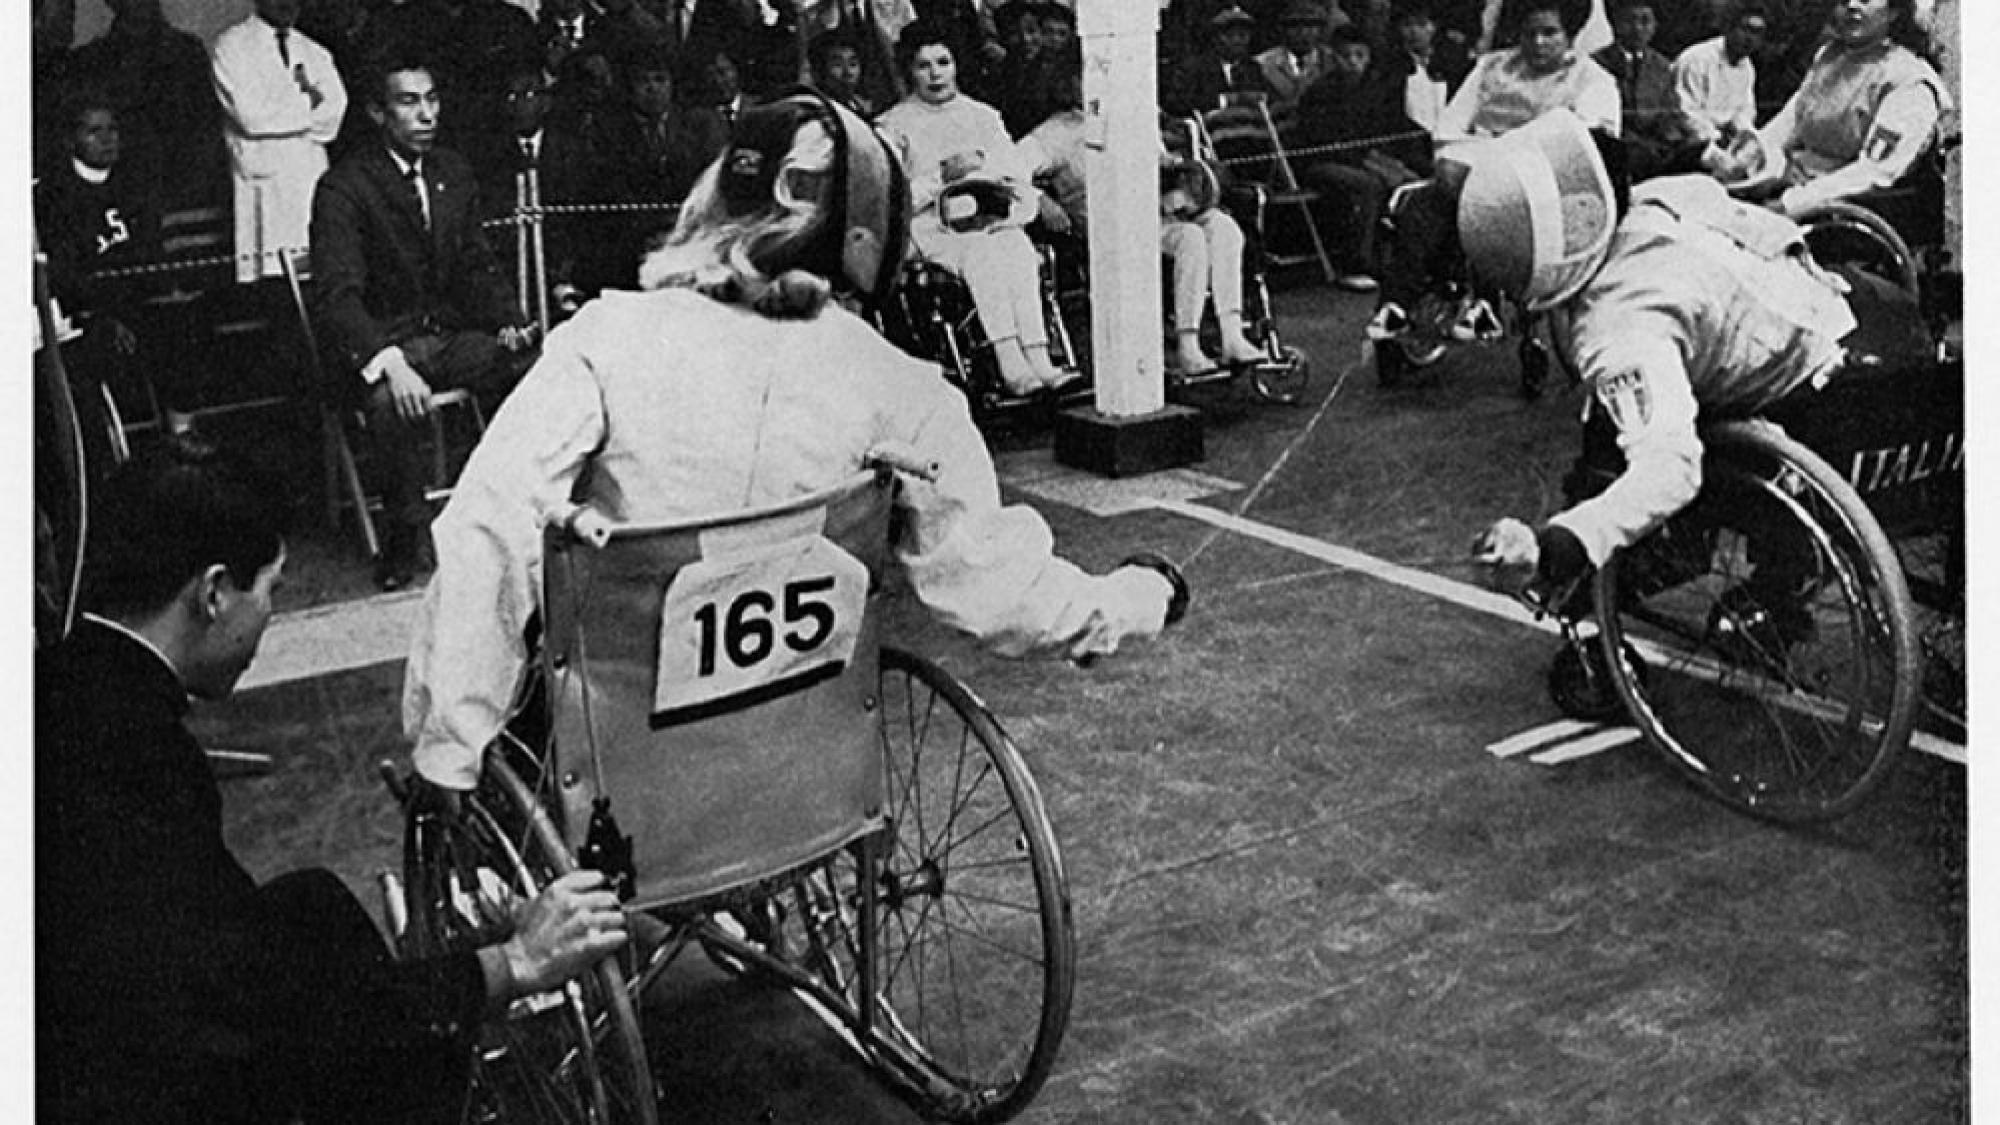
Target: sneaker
[
  {"x": 1389, "y": 322},
  {"x": 1357, "y": 283},
  {"x": 1476, "y": 320}
]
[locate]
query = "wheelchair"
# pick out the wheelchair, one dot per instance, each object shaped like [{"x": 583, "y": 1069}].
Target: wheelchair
[
  {"x": 1779, "y": 640},
  {"x": 811, "y": 809},
  {"x": 1429, "y": 337},
  {"x": 1278, "y": 377}
]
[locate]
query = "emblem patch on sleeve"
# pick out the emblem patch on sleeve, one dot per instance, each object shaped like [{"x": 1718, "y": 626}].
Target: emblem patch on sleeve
[{"x": 1628, "y": 398}]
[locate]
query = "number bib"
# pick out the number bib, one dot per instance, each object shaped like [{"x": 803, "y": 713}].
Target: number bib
[{"x": 743, "y": 628}]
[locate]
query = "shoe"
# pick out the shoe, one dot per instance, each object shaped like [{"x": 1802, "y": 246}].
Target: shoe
[
  {"x": 1064, "y": 378},
  {"x": 1357, "y": 283},
  {"x": 401, "y": 558},
  {"x": 1240, "y": 352},
  {"x": 1389, "y": 322},
  {"x": 1196, "y": 362},
  {"x": 1476, "y": 321}
]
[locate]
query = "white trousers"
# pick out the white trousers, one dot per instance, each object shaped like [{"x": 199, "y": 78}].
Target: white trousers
[{"x": 1208, "y": 258}]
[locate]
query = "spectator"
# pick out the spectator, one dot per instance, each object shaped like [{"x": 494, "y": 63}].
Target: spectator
[
  {"x": 1058, "y": 28},
  {"x": 698, "y": 30},
  {"x": 1868, "y": 108},
  {"x": 409, "y": 298},
  {"x": 872, "y": 26},
  {"x": 733, "y": 381},
  {"x": 1291, "y": 67},
  {"x": 346, "y": 28},
  {"x": 951, "y": 144},
  {"x": 562, "y": 26},
  {"x": 1432, "y": 67},
  {"x": 653, "y": 147},
  {"x": 837, "y": 70},
  {"x": 1357, "y": 111},
  {"x": 1028, "y": 71},
  {"x": 283, "y": 101},
  {"x": 1715, "y": 81},
  {"x": 180, "y": 990},
  {"x": 579, "y": 250},
  {"x": 1225, "y": 72},
  {"x": 484, "y": 40},
  {"x": 1511, "y": 87},
  {"x": 158, "y": 79},
  {"x": 98, "y": 215},
  {"x": 724, "y": 86},
  {"x": 1657, "y": 139}
]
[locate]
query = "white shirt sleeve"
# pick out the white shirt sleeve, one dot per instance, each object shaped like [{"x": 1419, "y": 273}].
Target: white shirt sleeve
[
  {"x": 1597, "y": 100},
  {"x": 1649, "y": 398},
  {"x": 1899, "y": 134},
  {"x": 468, "y": 654}
]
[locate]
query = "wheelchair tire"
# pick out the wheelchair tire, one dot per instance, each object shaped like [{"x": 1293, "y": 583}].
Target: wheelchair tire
[
  {"x": 1283, "y": 381},
  {"x": 573, "y": 1055},
  {"x": 1785, "y": 668}
]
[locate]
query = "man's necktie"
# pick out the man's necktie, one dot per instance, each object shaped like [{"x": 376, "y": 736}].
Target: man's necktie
[
  {"x": 284, "y": 48},
  {"x": 414, "y": 176}
]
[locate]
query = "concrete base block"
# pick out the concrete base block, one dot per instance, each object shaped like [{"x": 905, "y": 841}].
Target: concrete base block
[{"x": 1130, "y": 445}]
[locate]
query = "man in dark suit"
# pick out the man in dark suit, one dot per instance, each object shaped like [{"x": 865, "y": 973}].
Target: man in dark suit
[
  {"x": 171, "y": 987},
  {"x": 1658, "y": 140},
  {"x": 409, "y": 298},
  {"x": 654, "y": 148},
  {"x": 1226, "y": 69}
]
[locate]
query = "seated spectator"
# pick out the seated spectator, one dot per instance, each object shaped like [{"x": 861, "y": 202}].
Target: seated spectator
[
  {"x": 180, "y": 989},
  {"x": 579, "y": 251},
  {"x": 1715, "y": 81},
  {"x": 1867, "y": 110},
  {"x": 409, "y": 299},
  {"x": 1506, "y": 89},
  {"x": 482, "y": 42},
  {"x": 723, "y": 85},
  {"x": 1291, "y": 67},
  {"x": 1657, "y": 139},
  {"x": 1511, "y": 87},
  {"x": 1058, "y": 28},
  {"x": 157, "y": 77},
  {"x": 653, "y": 147},
  {"x": 1431, "y": 67},
  {"x": 96, "y": 215},
  {"x": 1222, "y": 72},
  {"x": 1358, "y": 111},
  {"x": 1021, "y": 82},
  {"x": 1204, "y": 245},
  {"x": 1369, "y": 17},
  {"x": 956, "y": 150},
  {"x": 837, "y": 69}
]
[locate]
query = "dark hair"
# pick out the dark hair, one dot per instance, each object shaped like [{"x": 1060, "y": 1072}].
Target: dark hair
[
  {"x": 1050, "y": 10},
  {"x": 1347, "y": 34},
  {"x": 79, "y": 98},
  {"x": 827, "y": 42},
  {"x": 168, "y": 515},
  {"x": 394, "y": 60},
  {"x": 1744, "y": 9},
  {"x": 1905, "y": 33},
  {"x": 917, "y": 36},
  {"x": 1573, "y": 14},
  {"x": 1405, "y": 10},
  {"x": 1617, "y": 6}
]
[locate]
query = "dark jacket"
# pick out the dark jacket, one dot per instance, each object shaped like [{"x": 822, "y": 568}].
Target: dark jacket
[
  {"x": 380, "y": 278},
  {"x": 170, "y": 987},
  {"x": 1333, "y": 113},
  {"x": 1198, "y": 84}
]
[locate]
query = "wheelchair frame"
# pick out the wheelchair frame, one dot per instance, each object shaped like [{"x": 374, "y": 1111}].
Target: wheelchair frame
[
  {"x": 1784, "y": 690},
  {"x": 859, "y": 933}
]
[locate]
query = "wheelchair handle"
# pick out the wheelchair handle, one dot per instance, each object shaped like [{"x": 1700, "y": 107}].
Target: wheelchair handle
[{"x": 903, "y": 459}]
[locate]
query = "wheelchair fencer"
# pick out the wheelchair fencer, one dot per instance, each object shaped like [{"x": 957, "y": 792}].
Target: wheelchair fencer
[
  {"x": 1780, "y": 639},
  {"x": 809, "y": 807}
]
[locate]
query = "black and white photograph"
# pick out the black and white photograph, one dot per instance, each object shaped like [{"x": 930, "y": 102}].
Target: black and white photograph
[{"x": 1078, "y": 562}]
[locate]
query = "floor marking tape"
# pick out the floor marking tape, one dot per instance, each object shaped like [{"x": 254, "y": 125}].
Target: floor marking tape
[
  {"x": 1545, "y": 735},
  {"x": 1450, "y": 590},
  {"x": 1584, "y": 747}
]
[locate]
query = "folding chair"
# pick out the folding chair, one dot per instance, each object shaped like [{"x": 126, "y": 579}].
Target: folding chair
[
  {"x": 1246, "y": 139},
  {"x": 342, "y": 472}
]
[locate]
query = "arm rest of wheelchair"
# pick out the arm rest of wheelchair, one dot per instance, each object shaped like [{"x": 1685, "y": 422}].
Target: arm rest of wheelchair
[{"x": 584, "y": 524}]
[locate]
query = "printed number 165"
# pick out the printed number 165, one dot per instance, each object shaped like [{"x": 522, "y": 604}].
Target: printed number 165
[{"x": 746, "y": 633}]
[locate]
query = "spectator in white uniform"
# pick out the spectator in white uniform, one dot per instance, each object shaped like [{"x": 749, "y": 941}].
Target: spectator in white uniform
[
  {"x": 1715, "y": 80},
  {"x": 958, "y": 155},
  {"x": 729, "y": 382},
  {"x": 283, "y": 103}
]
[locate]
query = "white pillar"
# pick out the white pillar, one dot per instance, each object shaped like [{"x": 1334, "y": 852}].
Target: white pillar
[{"x": 1121, "y": 172}]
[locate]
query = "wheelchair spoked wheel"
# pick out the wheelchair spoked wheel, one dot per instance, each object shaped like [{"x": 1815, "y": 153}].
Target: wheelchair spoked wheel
[
  {"x": 954, "y": 918},
  {"x": 568, "y": 1056},
  {"x": 1783, "y": 660}
]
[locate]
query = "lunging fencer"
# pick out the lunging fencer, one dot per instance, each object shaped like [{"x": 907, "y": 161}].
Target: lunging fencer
[{"x": 735, "y": 379}]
